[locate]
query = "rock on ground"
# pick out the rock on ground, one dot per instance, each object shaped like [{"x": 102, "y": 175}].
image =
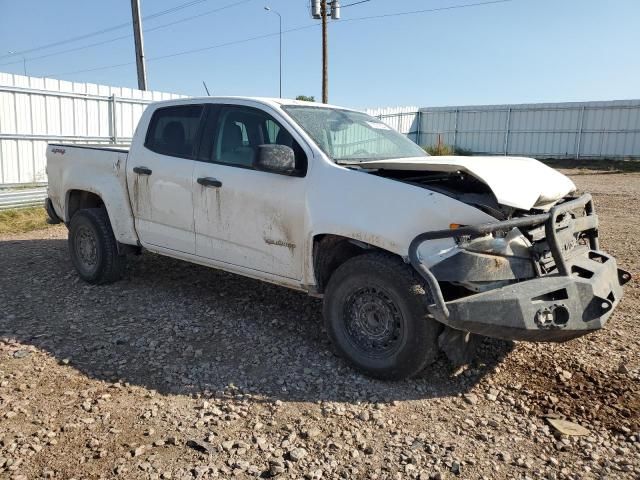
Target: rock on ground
[{"x": 183, "y": 372}]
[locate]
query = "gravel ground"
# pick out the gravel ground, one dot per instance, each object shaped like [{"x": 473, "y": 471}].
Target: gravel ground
[{"x": 179, "y": 371}]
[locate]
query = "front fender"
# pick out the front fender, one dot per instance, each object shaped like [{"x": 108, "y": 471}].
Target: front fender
[{"x": 382, "y": 212}]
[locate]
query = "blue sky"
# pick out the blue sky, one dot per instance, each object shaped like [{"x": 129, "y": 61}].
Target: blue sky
[{"x": 512, "y": 52}]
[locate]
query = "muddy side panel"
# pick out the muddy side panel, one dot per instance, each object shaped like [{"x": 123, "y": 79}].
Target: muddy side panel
[{"x": 97, "y": 170}]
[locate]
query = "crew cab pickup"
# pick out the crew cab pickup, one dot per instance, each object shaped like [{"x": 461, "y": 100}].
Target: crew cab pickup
[{"x": 412, "y": 254}]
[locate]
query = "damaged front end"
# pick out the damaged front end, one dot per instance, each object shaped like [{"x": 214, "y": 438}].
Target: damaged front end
[{"x": 535, "y": 277}]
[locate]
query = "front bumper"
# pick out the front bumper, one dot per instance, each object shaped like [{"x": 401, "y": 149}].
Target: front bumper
[{"x": 577, "y": 298}]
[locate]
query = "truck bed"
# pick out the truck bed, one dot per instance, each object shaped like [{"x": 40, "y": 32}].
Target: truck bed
[
  {"x": 98, "y": 169},
  {"x": 94, "y": 146}
]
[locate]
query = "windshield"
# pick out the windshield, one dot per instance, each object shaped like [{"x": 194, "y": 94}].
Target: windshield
[{"x": 347, "y": 136}]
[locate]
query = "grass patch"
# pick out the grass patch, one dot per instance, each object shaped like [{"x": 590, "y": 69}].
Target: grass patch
[
  {"x": 22, "y": 220},
  {"x": 443, "y": 149}
]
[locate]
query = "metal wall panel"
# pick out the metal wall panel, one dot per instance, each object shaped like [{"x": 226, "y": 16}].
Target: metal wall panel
[
  {"x": 35, "y": 111},
  {"x": 23, "y": 197},
  {"x": 544, "y": 130},
  {"x": 356, "y": 138},
  {"x": 403, "y": 119}
]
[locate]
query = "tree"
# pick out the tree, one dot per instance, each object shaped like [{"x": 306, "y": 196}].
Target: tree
[{"x": 306, "y": 98}]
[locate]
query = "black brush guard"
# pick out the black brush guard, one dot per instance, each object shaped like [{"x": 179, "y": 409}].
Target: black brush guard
[{"x": 577, "y": 298}]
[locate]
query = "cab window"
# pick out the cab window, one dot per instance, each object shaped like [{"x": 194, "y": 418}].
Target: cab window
[
  {"x": 239, "y": 130},
  {"x": 173, "y": 131}
]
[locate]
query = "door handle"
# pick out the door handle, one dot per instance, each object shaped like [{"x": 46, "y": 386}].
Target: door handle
[
  {"x": 209, "y": 182},
  {"x": 142, "y": 170}
]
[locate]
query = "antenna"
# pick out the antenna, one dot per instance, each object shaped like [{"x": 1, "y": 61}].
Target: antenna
[{"x": 205, "y": 87}]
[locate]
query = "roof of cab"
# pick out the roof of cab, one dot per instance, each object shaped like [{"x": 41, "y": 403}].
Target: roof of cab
[{"x": 273, "y": 102}]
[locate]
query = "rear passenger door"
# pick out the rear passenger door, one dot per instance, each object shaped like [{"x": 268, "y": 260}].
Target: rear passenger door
[
  {"x": 160, "y": 178},
  {"x": 243, "y": 217}
]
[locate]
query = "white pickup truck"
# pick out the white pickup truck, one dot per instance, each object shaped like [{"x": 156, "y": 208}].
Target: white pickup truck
[{"x": 412, "y": 254}]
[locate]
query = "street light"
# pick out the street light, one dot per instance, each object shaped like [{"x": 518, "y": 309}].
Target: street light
[
  {"x": 280, "y": 18},
  {"x": 24, "y": 61}
]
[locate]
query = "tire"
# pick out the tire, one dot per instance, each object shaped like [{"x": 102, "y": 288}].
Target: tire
[
  {"x": 375, "y": 312},
  {"x": 93, "y": 247}
]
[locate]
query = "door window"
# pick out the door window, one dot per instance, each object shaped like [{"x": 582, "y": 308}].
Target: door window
[
  {"x": 174, "y": 130},
  {"x": 240, "y": 130}
]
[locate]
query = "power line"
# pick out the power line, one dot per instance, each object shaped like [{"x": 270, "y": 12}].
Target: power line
[
  {"x": 146, "y": 30},
  {"x": 74, "y": 39},
  {"x": 106, "y": 30},
  {"x": 267, "y": 35},
  {"x": 354, "y": 3},
  {"x": 208, "y": 12},
  {"x": 187, "y": 52},
  {"x": 173, "y": 9},
  {"x": 427, "y": 10},
  {"x": 75, "y": 49}
]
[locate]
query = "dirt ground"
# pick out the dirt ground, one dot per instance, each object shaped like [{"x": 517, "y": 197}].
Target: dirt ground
[{"x": 180, "y": 371}]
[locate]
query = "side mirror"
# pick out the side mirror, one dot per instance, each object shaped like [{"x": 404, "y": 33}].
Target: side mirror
[{"x": 275, "y": 159}]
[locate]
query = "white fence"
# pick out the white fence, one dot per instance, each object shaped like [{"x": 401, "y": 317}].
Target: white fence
[
  {"x": 543, "y": 130},
  {"x": 22, "y": 197},
  {"x": 34, "y": 111}
]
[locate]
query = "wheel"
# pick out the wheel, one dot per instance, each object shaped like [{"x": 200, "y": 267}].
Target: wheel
[
  {"x": 375, "y": 312},
  {"x": 93, "y": 247}
]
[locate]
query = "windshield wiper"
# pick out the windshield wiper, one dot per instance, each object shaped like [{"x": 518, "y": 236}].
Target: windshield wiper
[{"x": 356, "y": 161}]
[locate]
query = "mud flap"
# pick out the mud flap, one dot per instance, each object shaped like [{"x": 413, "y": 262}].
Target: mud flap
[{"x": 51, "y": 213}]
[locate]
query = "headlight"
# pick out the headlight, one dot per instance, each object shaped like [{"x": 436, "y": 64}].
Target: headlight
[
  {"x": 486, "y": 262},
  {"x": 513, "y": 244}
]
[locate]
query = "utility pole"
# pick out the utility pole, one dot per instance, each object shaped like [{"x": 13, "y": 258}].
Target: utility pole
[
  {"x": 325, "y": 53},
  {"x": 320, "y": 10},
  {"x": 137, "y": 34}
]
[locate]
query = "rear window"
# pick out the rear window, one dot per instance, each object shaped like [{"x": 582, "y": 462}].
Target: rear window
[{"x": 173, "y": 130}]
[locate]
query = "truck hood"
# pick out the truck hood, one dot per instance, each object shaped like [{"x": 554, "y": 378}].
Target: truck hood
[{"x": 517, "y": 182}]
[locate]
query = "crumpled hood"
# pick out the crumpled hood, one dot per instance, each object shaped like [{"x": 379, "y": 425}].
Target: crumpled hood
[{"x": 516, "y": 182}]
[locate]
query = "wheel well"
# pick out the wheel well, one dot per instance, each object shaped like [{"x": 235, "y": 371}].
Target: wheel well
[
  {"x": 331, "y": 251},
  {"x": 79, "y": 199}
]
